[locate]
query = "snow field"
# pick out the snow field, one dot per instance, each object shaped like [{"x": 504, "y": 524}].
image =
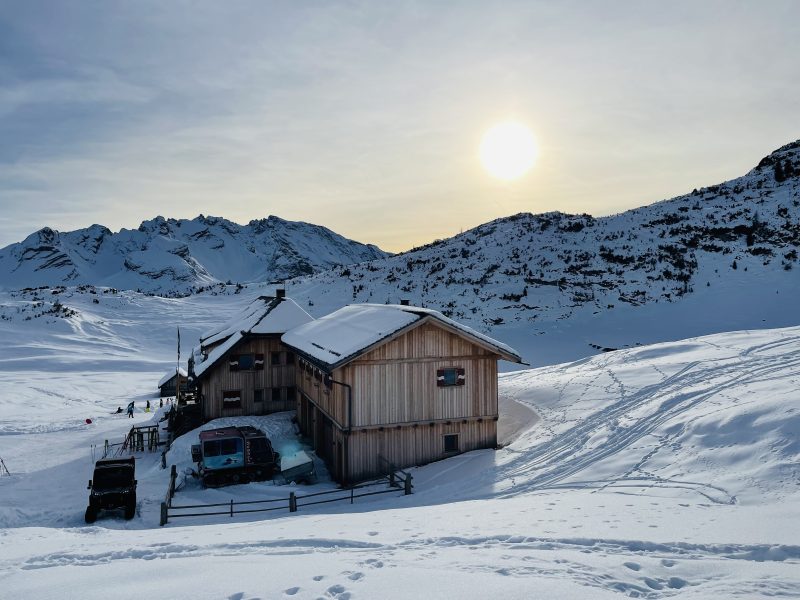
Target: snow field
[{"x": 652, "y": 472}]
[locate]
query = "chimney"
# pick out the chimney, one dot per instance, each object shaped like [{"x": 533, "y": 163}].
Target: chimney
[
  {"x": 404, "y": 303},
  {"x": 280, "y": 293}
]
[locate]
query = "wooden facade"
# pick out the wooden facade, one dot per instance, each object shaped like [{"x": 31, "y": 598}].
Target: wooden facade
[
  {"x": 170, "y": 387},
  {"x": 390, "y": 405},
  {"x": 264, "y": 385}
]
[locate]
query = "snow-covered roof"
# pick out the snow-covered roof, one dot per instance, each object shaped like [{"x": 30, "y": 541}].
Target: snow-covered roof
[
  {"x": 265, "y": 315},
  {"x": 170, "y": 374},
  {"x": 342, "y": 335}
]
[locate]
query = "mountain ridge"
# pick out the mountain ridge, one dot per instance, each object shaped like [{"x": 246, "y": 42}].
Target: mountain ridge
[{"x": 178, "y": 256}]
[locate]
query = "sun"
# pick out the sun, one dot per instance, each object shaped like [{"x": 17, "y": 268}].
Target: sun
[{"x": 508, "y": 150}]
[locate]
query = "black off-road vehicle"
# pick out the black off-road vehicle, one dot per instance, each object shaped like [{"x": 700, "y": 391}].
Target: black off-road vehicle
[{"x": 113, "y": 486}]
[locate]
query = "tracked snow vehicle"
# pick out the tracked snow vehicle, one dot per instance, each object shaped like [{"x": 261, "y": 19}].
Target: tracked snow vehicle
[{"x": 232, "y": 455}]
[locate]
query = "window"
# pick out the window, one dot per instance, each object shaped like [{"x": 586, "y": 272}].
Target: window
[
  {"x": 275, "y": 358},
  {"x": 450, "y": 377},
  {"x": 243, "y": 362},
  {"x": 276, "y": 394},
  {"x": 258, "y": 396},
  {"x": 230, "y": 446},
  {"x": 290, "y": 358},
  {"x": 291, "y": 395},
  {"x": 258, "y": 364},
  {"x": 232, "y": 399},
  {"x": 451, "y": 442}
]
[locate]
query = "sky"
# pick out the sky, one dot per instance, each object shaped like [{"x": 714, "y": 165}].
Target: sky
[{"x": 366, "y": 117}]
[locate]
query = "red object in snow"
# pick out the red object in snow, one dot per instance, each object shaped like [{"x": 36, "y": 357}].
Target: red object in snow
[{"x": 88, "y": 421}]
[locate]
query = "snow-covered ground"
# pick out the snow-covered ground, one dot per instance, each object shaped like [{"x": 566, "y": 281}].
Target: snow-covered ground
[{"x": 648, "y": 472}]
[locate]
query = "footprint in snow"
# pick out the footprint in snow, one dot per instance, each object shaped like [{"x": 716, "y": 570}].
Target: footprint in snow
[
  {"x": 339, "y": 592},
  {"x": 291, "y": 591},
  {"x": 318, "y": 577},
  {"x": 373, "y": 532},
  {"x": 632, "y": 566}
]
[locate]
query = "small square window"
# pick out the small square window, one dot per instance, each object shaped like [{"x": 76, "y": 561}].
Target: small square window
[
  {"x": 258, "y": 396},
  {"x": 276, "y": 394},
  {"x": 232, "y": 399},
  {"x": 275, "y": 358},
  {"x": 290, "y": 358},
  {"x": 451, "y": 442},
  {"x": 290, "y": 393},
  {"x": 450, "y": 377}
]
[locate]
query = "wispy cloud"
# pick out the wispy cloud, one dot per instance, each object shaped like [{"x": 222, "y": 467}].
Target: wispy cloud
[{"x": 366, "y": 116}]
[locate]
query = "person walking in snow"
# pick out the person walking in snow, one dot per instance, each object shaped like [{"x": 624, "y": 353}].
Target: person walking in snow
[
  {"x": 147, "y": 408},
  {"x": 130, "y": 410}
]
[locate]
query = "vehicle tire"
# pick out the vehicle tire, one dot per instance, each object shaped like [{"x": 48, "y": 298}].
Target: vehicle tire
[
  {"x": 91, "y": 514},
  {"x": 130, "y": 507}
]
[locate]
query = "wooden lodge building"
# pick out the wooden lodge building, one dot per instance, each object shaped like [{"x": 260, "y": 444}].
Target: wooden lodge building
[
  {"x": 243, "y": 368},
  {"x": 398, "y": 385},
  {"x": 374, "y": 386},
  {"x": 168, "y": 386}
]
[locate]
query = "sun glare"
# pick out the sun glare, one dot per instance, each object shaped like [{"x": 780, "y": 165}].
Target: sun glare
[{"x": 508, "y": 150}]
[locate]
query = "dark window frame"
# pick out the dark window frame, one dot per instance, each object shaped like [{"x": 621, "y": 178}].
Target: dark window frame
[
  {"x": 450, "y": 377},
  {"x": 275, "y": 359},
  {"x": 252, "y": 362},
  {"x": 228, "y": 399},
  {"x": 450, "y": 443},
  {"x": 276, "y": 390},
  {"x": 258, "y": 395}
]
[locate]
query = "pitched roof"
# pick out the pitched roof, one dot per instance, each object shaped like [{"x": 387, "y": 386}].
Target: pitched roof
[
  {"x": 170, "y": 374},
  {"x": 265, "y": 315},
  {"x": 341, "y": 336}
]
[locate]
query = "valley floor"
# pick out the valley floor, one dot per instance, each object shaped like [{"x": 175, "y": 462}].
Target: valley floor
[{"x": 660, "y": 471}]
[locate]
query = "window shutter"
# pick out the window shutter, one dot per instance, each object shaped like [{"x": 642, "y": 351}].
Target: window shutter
[
  {"x": 460, "y": 377},
  {"x": 439, "y": 377}
]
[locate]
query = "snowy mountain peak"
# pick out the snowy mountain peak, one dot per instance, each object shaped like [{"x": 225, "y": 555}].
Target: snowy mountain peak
[
  {"x": 719, "y": 244},
  {"x": 176, "y": 256}
]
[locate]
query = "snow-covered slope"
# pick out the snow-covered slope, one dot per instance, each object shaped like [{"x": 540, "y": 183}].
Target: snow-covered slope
[
  {"x": 654, "y": 471},
  {"x": 727, "y": 254},
  {"x": 169, "y": 256}
]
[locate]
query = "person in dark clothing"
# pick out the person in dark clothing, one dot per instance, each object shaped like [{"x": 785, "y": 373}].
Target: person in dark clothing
[
  {"x": 130, "y": 410},
  {"x": 118, "y": 411}
]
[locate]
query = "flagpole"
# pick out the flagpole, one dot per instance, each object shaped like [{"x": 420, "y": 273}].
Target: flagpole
[{"x": 178, "y": 371}]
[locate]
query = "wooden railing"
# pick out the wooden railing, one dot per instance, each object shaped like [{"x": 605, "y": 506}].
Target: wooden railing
[{"x": 292, "y": 503}]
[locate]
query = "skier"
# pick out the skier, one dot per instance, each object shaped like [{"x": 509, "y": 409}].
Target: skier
[
  {"x": 147, "y": 408},
  {"x": 161, "y": 403},
  {"x": 130, "y": 410},
  {"x": 118, "y": 411}
]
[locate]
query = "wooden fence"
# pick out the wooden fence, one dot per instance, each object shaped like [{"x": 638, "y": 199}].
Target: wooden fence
[{"x": 292, "y": 503}]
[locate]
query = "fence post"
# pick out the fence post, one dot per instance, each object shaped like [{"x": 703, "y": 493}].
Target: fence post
[
  {"x": 292, "y": 502},
  {"x": 164, "y": 514},
  {"x": 351, "y": 495},
  {"x": 407, "y": 490},
  {"x": 164, "y": 459},
  {"x": 173, "y": 475},
  {"x": 391, "y": 479},
  {"x": 231, "y": 507},
  {"x": 105, "y": 449}
]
